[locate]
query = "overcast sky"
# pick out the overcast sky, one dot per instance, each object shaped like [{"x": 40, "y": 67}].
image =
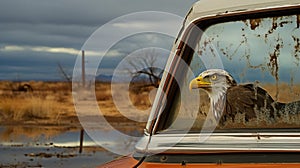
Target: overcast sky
[{"x": 36, "y": 35}]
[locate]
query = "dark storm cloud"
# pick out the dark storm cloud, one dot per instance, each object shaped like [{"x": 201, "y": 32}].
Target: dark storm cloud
[
  {"x": 89, "y": 12},
  {"x": 40, "y": 66},
  {"x": 42, "y": 24},
  {"x": 75, "y": 18},
  {"x": 68, "y": 23},
  {"x": 44, "y": 34},
  {"x": 50, "y": 12}
]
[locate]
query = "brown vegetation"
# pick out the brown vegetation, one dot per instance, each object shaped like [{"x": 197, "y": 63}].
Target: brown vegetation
[
  {"x": 47, "y": 104},
  {"x": 52, "y": 103},
  {"x": 284, "y": 92}
]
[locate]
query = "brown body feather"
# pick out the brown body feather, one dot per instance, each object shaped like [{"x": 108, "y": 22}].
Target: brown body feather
[{"x": 247, "y": 99}]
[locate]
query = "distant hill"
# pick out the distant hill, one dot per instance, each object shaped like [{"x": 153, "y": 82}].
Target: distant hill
[
  {"x": 108, "y": 78},
  {"x": 104, "y": 78}
]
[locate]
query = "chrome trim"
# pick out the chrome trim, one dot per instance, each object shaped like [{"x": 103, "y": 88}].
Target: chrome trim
[{"x": 221, "y": 142}]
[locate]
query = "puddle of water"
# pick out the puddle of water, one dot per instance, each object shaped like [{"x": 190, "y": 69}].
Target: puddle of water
[
  {"x": 51, "y": 157},
  {"x": 49, "y": 147}
]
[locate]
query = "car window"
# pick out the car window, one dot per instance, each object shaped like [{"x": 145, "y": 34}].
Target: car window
[{"x": 245, "y": 76}]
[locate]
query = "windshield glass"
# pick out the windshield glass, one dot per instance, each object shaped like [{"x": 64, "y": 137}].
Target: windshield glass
[{"x": 245, "y": 75}]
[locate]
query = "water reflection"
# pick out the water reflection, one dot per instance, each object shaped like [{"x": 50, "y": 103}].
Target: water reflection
[{"x": 51, "y": 146}]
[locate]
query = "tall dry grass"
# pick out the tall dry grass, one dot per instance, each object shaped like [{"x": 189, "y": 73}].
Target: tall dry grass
[
  {"x": 29, "y": 107},
  {"x": 52, "y": 102},
  {"x": 48, "y": 103}
]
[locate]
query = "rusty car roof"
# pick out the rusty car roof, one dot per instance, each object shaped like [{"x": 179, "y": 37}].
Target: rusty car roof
[{"x": 206, "y": 8}]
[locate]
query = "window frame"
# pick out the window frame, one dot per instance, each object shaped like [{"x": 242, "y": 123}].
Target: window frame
[{"x": 184, "y": 51}]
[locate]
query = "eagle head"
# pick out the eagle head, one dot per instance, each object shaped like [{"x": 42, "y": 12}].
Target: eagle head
[{"x": 215, "y": 82}]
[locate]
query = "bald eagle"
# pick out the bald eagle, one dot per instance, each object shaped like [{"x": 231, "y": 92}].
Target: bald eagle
[{"x": 227, "y": 98}]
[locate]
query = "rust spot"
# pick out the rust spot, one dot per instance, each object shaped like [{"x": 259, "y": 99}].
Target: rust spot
[
  {"x": 206, "y": 44},
  {"x": 298, "y": 21},
  {"x": 281, "y": 24},
  {"x": 297, "y": 48},
  {"x": 273, "y": 63},
  {"x": 254, "y": 23},
  {"x": 274, "y": 26},
  {"x": 276, "y": 22}
]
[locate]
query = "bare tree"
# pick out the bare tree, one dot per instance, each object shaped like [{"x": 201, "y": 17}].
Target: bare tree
[
  {"x": 64, "y": 74},
  {"x": 145, "y": 66}
]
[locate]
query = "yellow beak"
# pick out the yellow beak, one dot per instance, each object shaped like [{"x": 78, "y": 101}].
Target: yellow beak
[{"x": 199, "y": 82}]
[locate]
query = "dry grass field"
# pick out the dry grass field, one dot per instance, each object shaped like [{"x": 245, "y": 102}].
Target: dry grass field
[
  {"x": 46, "y": 104},
  {"x": 284, "y": 92},
  {"x": 51, "y": 103}
]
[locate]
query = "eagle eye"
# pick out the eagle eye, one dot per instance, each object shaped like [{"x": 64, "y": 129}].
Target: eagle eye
[{"x": 213, "y": 77}]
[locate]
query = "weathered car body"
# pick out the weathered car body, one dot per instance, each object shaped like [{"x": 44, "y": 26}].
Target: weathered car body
[{"x": 163, "y": 145}]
